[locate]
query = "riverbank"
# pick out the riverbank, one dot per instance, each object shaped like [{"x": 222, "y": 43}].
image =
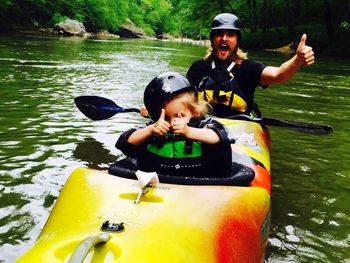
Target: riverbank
[
  {"x": 102, "y": 35},
  {"x": 269, "y": 41},
  {"x": 317, "y": 39}
]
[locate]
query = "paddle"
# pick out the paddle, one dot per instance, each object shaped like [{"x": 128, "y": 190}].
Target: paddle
[
  {"x": 300, "y": 126},
  {"x": 99, "y": 108}
]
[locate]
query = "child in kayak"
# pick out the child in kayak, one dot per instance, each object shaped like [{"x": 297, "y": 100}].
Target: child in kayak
[{"x": 180, "y": 140}]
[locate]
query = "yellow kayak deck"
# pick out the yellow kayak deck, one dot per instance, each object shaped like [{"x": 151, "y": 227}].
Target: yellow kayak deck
[{"x": 172, "y": 223}]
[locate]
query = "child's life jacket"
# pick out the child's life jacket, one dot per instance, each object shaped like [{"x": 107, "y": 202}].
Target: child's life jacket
[{"x": 175, "y": 155}]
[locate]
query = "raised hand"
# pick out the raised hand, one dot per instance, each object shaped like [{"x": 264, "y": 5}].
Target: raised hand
[
  {"x": 304, "y": 53},
  {"x": 180, "y": 125},
  {"x": 144, "y": 111},
  {"x": 161, "y": 127}
]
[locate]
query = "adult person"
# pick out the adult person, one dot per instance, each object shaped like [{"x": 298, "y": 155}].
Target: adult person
[
  {"x": 180, "y": 140},
  {"x": 227, "y": 79}
]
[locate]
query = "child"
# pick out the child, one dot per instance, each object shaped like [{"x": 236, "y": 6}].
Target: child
[{"x": 180, "y": 140}]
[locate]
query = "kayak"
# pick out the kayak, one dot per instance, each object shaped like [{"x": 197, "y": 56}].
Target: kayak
[{"x": 100, "y": 217}]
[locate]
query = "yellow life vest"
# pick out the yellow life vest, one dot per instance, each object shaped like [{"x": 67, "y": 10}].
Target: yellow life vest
[{"x": 223, "y": 89}]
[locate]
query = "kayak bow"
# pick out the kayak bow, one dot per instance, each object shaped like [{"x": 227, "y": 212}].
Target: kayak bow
[{"x": 170, "y": 223}]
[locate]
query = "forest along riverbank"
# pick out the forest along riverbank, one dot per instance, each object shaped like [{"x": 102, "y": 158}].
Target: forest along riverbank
[{"x": 265, "y": 24}]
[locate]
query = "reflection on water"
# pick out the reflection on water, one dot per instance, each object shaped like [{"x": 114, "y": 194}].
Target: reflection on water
[
  {"x": 43, "y": 137},
  {"x": 93, "y": 152}
]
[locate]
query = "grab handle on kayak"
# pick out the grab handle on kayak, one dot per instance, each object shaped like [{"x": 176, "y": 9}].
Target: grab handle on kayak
[{"x": 84, "y": 247}]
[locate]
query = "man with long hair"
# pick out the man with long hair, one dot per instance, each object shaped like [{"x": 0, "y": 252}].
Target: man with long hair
[{"x": 227, "y": 79}]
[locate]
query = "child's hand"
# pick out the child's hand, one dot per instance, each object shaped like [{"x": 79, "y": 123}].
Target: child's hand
[
  {"x": 161, "y": 127},
  {"x": 144, "y": 112},
  {"x": 180, "y": 125}
]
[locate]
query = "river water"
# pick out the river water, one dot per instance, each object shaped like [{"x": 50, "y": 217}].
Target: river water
[{"x": 44, "y": 137}]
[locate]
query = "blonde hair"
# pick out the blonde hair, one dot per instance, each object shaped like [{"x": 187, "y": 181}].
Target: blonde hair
[
  {"x": 238, "y": 56},
  {"x": 194, "y": 104}
]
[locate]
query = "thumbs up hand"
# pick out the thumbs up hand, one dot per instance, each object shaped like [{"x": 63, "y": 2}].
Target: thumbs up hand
[
  {"x": 180, "y": 125},
  {"x": 304, "y": 53},
  {"x": 161, "y": 127}
]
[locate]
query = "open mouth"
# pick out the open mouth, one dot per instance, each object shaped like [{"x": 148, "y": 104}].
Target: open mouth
[{"x": 224, "y": 47}]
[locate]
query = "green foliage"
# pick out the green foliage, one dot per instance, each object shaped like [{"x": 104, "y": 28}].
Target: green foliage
[
  {"x": 345, "y": 25},
  {"x": 5, "y": 4},
  {"x": 57, "y": 17},
  {"x": 79, "y": 17},
  {"x": 188, "y": 18},
  {"x": 153, "y": 16}
]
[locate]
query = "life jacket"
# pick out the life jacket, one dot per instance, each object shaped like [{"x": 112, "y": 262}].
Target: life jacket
[
  {"x": 174, "y": 155},
  {"x": 221, "y": 88}
]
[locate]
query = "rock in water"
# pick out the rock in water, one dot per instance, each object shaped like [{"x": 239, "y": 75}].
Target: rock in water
[{"x": 70, "y": 27}]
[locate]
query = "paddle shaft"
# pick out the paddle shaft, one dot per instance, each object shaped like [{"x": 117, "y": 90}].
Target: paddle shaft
[
  {"x": 99, "y": 108},
  {"x": 301, "y": 126}
]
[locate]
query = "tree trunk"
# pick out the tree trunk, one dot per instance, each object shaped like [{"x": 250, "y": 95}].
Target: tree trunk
[
  {"x": 271, "y": 16},
  {"x": 254, "y": 17},
  {"x": 264, "y": 17},
  {"x": 328, "y": 20},
  {"x": 221, "y": 5},
  {"x": 251, "y": 4},
  {"x": 290, "y": 18}
]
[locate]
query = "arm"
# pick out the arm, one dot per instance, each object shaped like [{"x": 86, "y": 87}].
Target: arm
[
  {"x": 204, "y": 135},
  {"x": 141, "y": 135},
  {"x": 161, "y": 127},
  {"x": 273, "y": 75}
]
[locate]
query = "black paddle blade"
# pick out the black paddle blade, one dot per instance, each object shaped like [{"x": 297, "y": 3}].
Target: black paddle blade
[
  {"x": 300, "y": 126},
  {"x": 97, "y": 108}
]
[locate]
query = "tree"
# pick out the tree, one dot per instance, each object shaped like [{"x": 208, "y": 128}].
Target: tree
[
  {"x": 328, "y": 20},
  {"x": 251, "y": 4}
]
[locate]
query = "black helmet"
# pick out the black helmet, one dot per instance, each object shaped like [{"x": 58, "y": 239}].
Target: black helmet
[
  {"x": 162, "y": 88},
  {"x": 226, "y": 21}
]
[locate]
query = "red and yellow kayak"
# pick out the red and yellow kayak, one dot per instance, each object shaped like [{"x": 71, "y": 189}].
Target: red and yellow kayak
[{"x": 171, "y": 222}]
